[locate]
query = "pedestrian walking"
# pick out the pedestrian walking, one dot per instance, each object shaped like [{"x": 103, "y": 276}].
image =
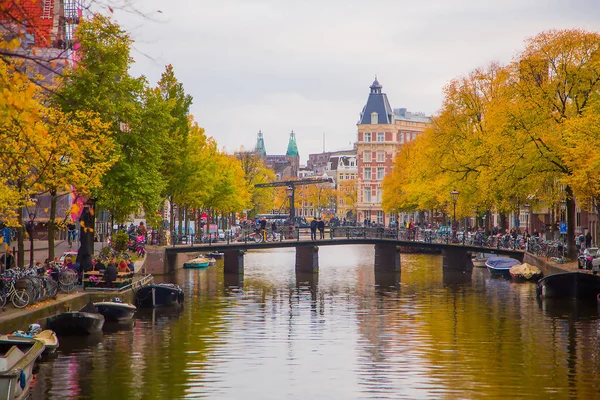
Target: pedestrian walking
[
  {"x": 313, "y": 229},
  {"x": 321, "y": 226},
  {"x": 588, "y": 240}
]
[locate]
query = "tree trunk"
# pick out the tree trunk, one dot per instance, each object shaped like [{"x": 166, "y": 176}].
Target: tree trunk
[
  {"x": 186, "y": 214},
  {"x": 571, "y": 250},
  {"x": 171, "y": 216},
  {"x": 92, "y": 227},
  {"x": 52, "y": 224},
  {"x": 179, "y": 219},
  {"x": 503, "y": 223}
]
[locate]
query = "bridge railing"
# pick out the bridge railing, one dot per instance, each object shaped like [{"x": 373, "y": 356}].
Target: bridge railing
[{"x": 285, "y": 233}]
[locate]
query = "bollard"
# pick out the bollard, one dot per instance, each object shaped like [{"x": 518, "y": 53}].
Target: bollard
[
  {"x": 298, "y": 233},
  {"x": 347, "y": 233},
  {"x": 331, "y": 233}
]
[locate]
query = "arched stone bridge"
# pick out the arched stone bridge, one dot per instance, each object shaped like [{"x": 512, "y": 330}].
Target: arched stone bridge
[{"x": 387, "y": 252}]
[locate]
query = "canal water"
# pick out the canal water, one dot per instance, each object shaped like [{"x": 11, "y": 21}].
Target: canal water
[{"x": 347, "y": 334}]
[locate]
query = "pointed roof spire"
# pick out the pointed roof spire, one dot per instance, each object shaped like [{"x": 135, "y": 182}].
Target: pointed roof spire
[
  {"x": 260, "y": 146},
  {"x": 292, "y": 149},
  {"x": 376, "y": 86},
  {"x": 376, "y": 103}
]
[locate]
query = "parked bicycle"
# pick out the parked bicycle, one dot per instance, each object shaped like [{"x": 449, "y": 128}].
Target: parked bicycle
[{"x": 19, "y": 297}]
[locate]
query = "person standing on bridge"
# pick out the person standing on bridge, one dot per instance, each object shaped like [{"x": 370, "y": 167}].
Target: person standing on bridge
[
  {"x": 313, "y": 229},
  {"x": 321, "y": 226}
]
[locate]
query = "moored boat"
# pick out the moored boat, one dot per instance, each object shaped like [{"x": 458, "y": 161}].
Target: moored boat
[
  {"x": 17, "y": 358},
  {"x": 501, "y": 265},
  {"x": 198, "y": 262},
  {"x": 47, "y": 336},
  {"x": 571, "y": 285},
  {"x": 525, "y": 272},
  {"x": 83, "y": 322},
  {"x": 479, "y": 262},
  {"x": 160, "y": 295},
  {"x": 116, "y": 310},
  {"x": 215, "y": 254}
]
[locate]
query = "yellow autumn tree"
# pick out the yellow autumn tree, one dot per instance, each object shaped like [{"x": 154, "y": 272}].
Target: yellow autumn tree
[{"x": 508, "y": 135}]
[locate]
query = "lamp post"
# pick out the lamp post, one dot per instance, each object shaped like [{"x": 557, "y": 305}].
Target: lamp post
[
  {"x": 454, "y": 195},
  {"x": 290, "y": 194}
]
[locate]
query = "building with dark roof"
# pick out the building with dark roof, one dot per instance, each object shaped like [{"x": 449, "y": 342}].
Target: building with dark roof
[
  {"x": 377, "y": 110},
  {"x": 381, "y": 133}
]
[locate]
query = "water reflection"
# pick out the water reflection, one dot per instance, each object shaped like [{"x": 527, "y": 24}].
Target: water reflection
[{"x": 346, "y": 332}]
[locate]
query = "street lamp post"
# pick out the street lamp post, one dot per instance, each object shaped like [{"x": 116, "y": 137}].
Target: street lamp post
[
  {"x": 290, "y": 194},
  {"x": 454, "y": 195}
]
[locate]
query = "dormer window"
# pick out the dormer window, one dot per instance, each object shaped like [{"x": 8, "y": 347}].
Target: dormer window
[{"x": 374, "y": 118}]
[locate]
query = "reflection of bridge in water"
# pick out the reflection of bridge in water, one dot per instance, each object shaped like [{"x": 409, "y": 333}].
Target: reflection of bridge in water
[{"x": 387, "y": 253}]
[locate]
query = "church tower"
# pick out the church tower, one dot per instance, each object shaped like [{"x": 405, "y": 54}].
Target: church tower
[
  {"x": 292, "y": 154},
  {"x": 260, "y": 146}
]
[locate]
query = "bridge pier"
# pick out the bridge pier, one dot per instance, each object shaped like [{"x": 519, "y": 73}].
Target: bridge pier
[
  {"x": 307, "y": 259},
  {"x": 387, "y": 257},
  {"x": 457, "y": 258},
  {"x": 233, "y": 261},
  {"x": 232, "y": 281}
]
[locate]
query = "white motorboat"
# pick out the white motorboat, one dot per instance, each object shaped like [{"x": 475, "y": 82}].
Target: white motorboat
[{"x": 17, "y": 358}]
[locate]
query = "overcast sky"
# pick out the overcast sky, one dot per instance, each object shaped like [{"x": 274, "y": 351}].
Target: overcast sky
[{"x": 306, "y": 65}]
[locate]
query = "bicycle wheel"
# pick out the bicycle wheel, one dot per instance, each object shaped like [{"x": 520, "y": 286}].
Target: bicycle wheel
[
  {"x": 51, "y": 288},
  {"x": 20, "y": 298},
  {"x": 3, "y": 300},
  {"x": 67, "y": 277}
]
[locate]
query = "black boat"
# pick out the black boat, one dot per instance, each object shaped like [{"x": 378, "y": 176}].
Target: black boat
[
  {"x": 83, "y": 322},
  {"x": 571, "y": 285},
  {"x": 160, "y": 295},
  {"x": 116, "y": 310}
]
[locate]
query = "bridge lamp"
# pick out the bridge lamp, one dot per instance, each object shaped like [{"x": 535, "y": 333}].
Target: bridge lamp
[{"x": 454, "y": 195}]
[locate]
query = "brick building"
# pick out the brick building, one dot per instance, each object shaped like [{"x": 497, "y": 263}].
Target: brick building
[{"x": 381, "y": 133}]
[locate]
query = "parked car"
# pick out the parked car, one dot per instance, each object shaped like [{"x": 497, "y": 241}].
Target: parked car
[
  {"x": 589, "y": 258},
  {"x": 68, "y": 253}
]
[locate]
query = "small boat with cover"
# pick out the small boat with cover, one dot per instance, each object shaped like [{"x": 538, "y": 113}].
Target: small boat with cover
[
  {"x": 115, "y": 310},
  {"x": 160, "y": 295},
  {"x": 525, "y": 272},
  {"x": 569, "y": 285},
  {"x": 84, "y": 322},
  {"x": 198, "y": 262},
  {"x": 17, "y": 358},
  {"x": 501, "y": 265}
]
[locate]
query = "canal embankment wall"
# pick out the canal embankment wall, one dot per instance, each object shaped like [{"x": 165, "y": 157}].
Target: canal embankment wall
[{"x": 13, "y": 319}]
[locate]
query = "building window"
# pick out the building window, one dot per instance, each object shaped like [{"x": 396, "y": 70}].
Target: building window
[
  {"x": 341, "y": 177},
  {"x": 367, "y": 137},
  {"x": 367, "y": 194},
  {"x": 367, "y": 156},
  {"x": 401, "y": 137},
  {"x": 378, "y": 194},
  {"x": 381, "y": 156},
  {"x": 347, "y": 176},
  {"x": 380, "y": 137},
  {"x": 374, "y": 118},
  {"x": 367, "y": 174},
  {"x": 380, "y": 173},
  {"x": 380, "y": 217}
]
